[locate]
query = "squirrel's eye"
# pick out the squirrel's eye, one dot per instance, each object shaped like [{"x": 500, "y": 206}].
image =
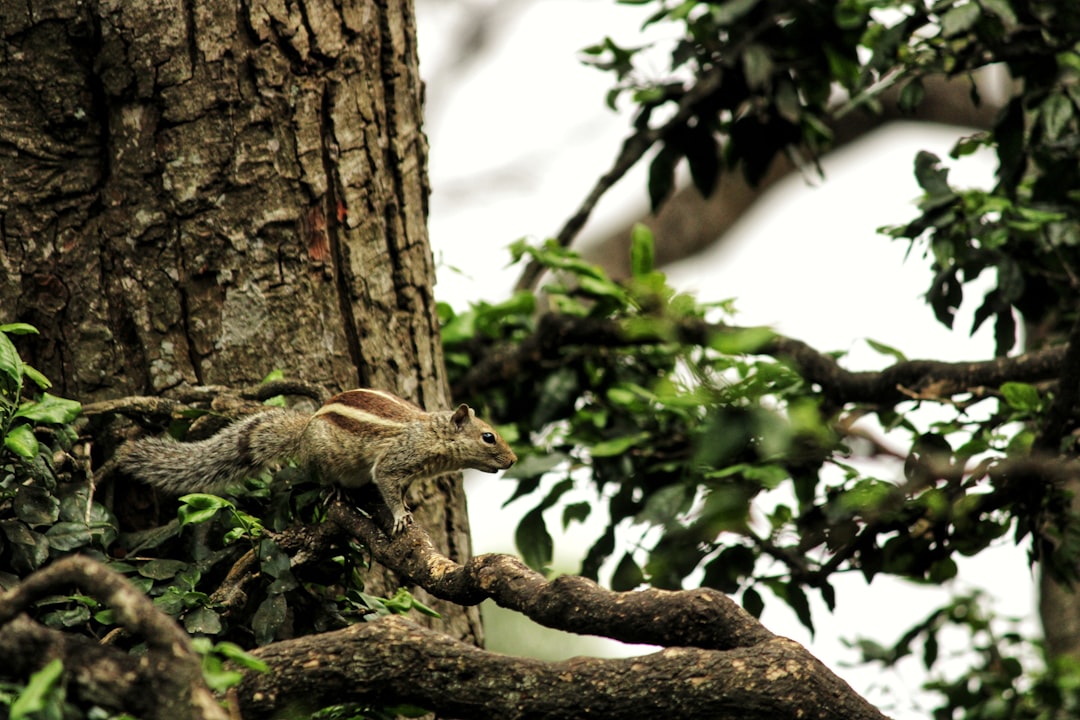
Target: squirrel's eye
[{"x": 489, "y": 438}]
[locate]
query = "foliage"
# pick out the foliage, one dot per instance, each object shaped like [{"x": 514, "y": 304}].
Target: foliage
[
  {"x": 749, "y": 79},
  {"x": 40, "y": 517},
  {"x": 994, "y": 684},
  {"x": 43, "y": 695},
  {"x": 714, "y": 460},
  {"x": 47, "y": 511},
  {"x": 721, "y": 465},
  {"x": 19, "y": 416}
]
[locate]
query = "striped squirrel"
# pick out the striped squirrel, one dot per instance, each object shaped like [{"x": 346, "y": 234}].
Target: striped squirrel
[{"x": 358, "y": 436}]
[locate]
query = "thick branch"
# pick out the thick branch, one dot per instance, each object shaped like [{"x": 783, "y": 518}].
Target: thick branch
[
  {"x": 700, "y": 618},
  {"x": 105, "y": 675},
  {"x": 906, "y": 380},
  {"x": 170, "y": 670},
  {"x": 133, "y": 610},
  {"x": 394, "y": 661}
]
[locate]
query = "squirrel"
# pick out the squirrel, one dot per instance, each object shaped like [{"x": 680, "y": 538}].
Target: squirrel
[{"x": 356, "y": 437}]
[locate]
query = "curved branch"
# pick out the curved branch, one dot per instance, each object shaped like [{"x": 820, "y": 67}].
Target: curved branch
[
  {"x": 700, "y": 618},
  {"x": 906, "y": 380},
  {"x": 170, "y": 665},
  {"x": 134, "y": 611},
  {"x": 688, "y": 223},
  {"x": 394, "y": 661}
]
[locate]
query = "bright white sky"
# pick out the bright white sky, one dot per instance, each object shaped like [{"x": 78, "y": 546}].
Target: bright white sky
[{"x": 519, "y": 135}]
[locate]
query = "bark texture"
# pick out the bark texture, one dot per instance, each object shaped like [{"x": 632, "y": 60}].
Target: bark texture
[{"x": 199, "y": 192}]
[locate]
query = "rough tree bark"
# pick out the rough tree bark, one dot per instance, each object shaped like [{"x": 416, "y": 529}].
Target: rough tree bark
[{"x": 200, "y": 192}]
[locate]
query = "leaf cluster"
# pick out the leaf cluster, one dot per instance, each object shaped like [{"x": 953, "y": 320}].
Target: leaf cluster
[
  {"x": 999, "y": 680},
  {"x": 744, "y": 81},
  {"x": 704, "y": 456}
]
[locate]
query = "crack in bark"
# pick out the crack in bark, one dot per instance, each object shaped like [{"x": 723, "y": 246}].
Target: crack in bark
[{"x": 338, "y": 251}]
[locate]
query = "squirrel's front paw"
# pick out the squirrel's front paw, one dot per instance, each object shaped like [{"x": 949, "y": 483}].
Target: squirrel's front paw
[{"x": 401, "y": 521}]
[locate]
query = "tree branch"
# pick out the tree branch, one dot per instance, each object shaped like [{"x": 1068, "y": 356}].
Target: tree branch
[
  {"x": 633, "y": 149},
  {"x": 918, "y": 379},
  {"x": 701, "y": 618},
  {"x": 720, "y": 663},
  {"x": 170, "y": 666},
  {"x": 394, "y": 661}
]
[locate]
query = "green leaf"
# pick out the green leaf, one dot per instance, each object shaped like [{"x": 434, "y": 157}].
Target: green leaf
[
  {"x": 575, "y": 512},
  {"x": 618, "y": 445},
  {"x": 757, "y": 66},
  {"x": 1003, "y": 10},
  {"x": 21, "y": 441},
  {"x": 741, "y": 341},
  {"x": 10, "y": 362},
  {"x": 238, "y": 655},
  {"x": 1055, "y": 112},
  {"x": 662, "y": 176},
  {"x": 886, "y": 350},
  {"x": 36, "y": 377},
  {"x": 50, "y": 409},
  {"x": 796, "y": 598},
  {"x": 662, "y": 506},
  {"x": 18, "y": 328},
  {"x": 911, "y": 96},
  {"x": 162, "y": 568},
  {"x": 268, "y": 618},
  {"x": 959, "y": 19},
  {"x": 728, "y": 13},
  {"x": 627, "y": 575},
  {"x": 404, "y": 601},
  {"x": 943, "y": 570},
  {"x": 43, "y": 691},
  {"x": 200, "y": 507},
  {"x": 36, "y": 506},
  {"x": 203, "y": 620},
  {"x": 752, "y": 602},
  {"x": 641, "y": 250},
  {"x": 932, "y": 178},
  {"x": 703, "y": 156},
  {"x": 1021, "y": 396},
  {"x": 65, "y": 536},
  {"x": 930, "y": 650},
  {"x": 534, "y": 541},
  {"x": 273, "y": 560}
]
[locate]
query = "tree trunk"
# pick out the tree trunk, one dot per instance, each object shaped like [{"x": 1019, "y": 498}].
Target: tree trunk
[{"x": 202, "y": 192}]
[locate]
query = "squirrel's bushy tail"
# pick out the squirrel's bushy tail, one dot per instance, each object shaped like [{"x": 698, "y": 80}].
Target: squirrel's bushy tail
[{"x": 240, "y": 450}]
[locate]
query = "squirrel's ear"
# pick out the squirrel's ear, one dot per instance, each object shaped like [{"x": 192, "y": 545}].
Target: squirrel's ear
[{"x": 461, "y": 415}]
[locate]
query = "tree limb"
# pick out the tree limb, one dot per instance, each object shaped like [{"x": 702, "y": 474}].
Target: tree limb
[
  {"x": 905, "y": 380},
  {"x": 394, "y": 661},
  {"x": 170, "y": 667},
  {"x": 701, "y": 618},
  {"x": 720, "y": 662}
]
